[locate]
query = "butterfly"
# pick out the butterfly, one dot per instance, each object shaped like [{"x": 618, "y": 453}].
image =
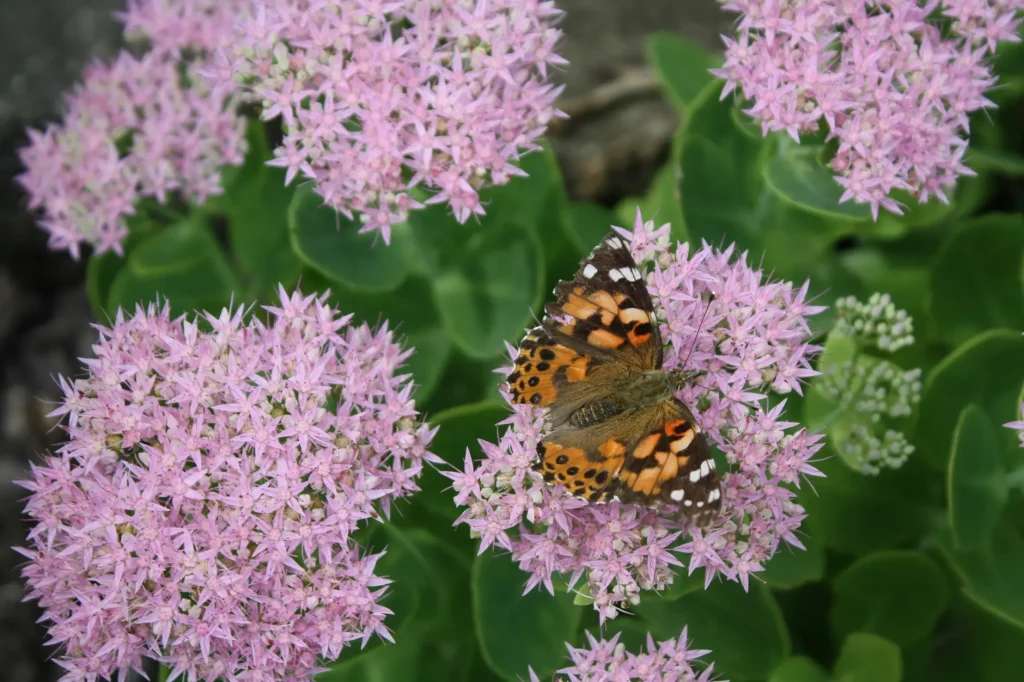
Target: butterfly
[{"x": 613, "y": 429}]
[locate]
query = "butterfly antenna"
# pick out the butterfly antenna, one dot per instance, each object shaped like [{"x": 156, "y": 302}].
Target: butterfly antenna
[{"x": 700, "y": 325}]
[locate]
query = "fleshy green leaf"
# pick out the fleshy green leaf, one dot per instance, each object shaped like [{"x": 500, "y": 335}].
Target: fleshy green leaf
[
  {"x": 725, "y": 198},
  {"x": 986, "y": 371},
  {"x": 331, "y": 244},
  {"x": 589, "y": 223},
  {"x": 976, "y": 484},
  {"x": 976, "y": 280},
  {"x": 993, "y": 575},
  {"x": 100, "y": 273},
  {"x": 868, "y": 658},
  {"x": 983, "y": 648},
  {"x": 798, "y": 177},
  {"x": 856, "y": 514},
  {"x": 517, "y": 630},
  {"x": 792, "y": 566},
  {"x": 681, "y": 65},
  {"x": 181, "y": 263},
  {"x": 799, "y": 669},
  {"x": 745, "y": 630},
  {"x": 897, "y": 595},
  {"x": 486, "y": 280},
  {"x": 256, "y": 202}
]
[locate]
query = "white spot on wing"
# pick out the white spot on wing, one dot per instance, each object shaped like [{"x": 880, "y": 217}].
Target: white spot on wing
[
  {"x": 714, "y": 495},
  {"x": 589, "y": 271},
  {"x": 677, "y": 495},
  {"x": 704, "y": 469},
  {"x": 614, "y": 242},
  {"x": 615, "y": 274},
  {"x": 687, "y": 503},
  {"x": 694, "y": 475},
  {"x": 700, "y": 504}
]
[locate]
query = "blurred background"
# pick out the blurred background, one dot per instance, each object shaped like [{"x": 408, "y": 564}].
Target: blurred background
[{"x": 617, "y": 137}]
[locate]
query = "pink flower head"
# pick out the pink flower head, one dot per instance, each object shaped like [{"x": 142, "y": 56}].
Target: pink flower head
[
  {"x": 378, "y": 97},
  {"x": 891, "y": 86},
  {"x": 753, "y": 339},
  {"x": 608, "y": 661},
  {"x": 133, "y": 129},
  {"x": 200, "y": 513},
  {"x": 175, "y": 26},
  {"x": 1018, "y": 426}
]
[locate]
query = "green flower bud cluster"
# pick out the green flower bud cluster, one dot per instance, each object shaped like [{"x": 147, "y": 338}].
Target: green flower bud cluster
[
  {"x": 868, "y": 453},
  {"x": 878, "y": 322}
]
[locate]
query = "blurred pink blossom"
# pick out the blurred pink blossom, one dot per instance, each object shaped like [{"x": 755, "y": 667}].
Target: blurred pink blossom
[{"x": 132, "y": 129}]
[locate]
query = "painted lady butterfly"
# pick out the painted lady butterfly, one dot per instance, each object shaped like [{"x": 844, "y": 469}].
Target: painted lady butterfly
[{"x": 613, "y": 428}]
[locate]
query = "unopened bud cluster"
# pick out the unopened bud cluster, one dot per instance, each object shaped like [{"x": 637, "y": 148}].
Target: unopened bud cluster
[
  {"x": 868, "y": 453},
  {"x": 878, "y": 389},
  {"x": 871, "y": 388},
  {"x": 878, "y": 322}
]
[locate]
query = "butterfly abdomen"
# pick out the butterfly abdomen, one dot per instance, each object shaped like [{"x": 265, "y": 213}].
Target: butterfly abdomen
[{"x": 596, "y": 412}]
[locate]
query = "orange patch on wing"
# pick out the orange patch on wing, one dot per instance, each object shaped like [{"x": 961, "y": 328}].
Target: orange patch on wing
[
  {"x": 580, "y": 474},
  {"x": 606, "y": 301},
  {"x": 533, "y": 381},
  {"x": 583, "y": 309},
  {"x": 645, "y": 447},
  {"x": 602, "y": 338},
  {"x": 612, "y": 449}
]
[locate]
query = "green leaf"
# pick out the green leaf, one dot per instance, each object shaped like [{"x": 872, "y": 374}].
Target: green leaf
[
  {"x": 681, "y": 65},
  {"x": 998, "y": 160},
  {"x": 986, "y": 370},
  {"x": 589, "y": 224},
  {"x": 331, "y": 244},
  {"x": 797, "y": 176},
  {"x": 486, "y": 281},
  {"x": 725, "y": 199},
  {"x": 819, "y": 411},
  {"x": 976, "y": 280},
  {"x": 868, "y": 658},
  {"x": 100, "y": 273},
  {"x": 256, "y": 202},
  {"x": 993, "y": 575},
  {"x": 898, "y": 595},
  {"x": 976, "y": 484},
  {"x": 745, "y": 630},
  {"x": 978, "y": 647},
  {"x": 181, "y": 263},
  {"x": 792, "y": 566},
  {"x": 855, "y": 514},
  {"x": 459, "y": 429},
  {"x": 517, "y": 630},
  {"x": 799, "y": 669}
]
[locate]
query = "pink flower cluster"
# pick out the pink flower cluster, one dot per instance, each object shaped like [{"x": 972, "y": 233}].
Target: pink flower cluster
[
  {"x": 1018, "y": 425},
  {"x": 175, "y": 26},
  {"x": 133, "y": 129},
  {"x": 753, "y": 339},
  {"x": 378, "y": 97},
  {"x": 201, "y": 512},
  {"x": 608, "y": 661},
  {"x": 892, "y": 87}
]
